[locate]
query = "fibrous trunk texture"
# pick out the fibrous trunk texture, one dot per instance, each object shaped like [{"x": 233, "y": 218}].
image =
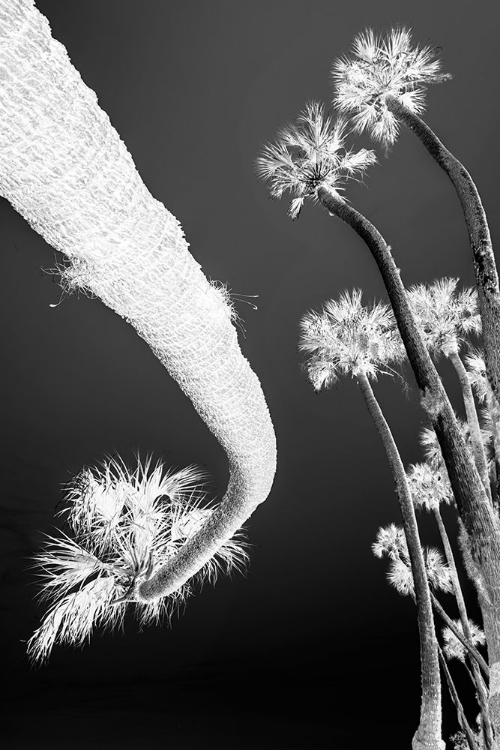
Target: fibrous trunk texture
[
  {"x": 480, "y": 520},
  {"x": 65, "y": 169},
  {"x": 428, "y": 734},
  {"x": 472, "y": 420},
  {"x": 479, "y": 235}
]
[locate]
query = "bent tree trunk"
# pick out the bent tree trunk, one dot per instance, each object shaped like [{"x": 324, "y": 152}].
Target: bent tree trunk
[
  {"x": 480, "y": 520},
  {"x": 479, "y": 235},
  {"x": 428, "y": 734},
  {"x": 65, "y": 169}
]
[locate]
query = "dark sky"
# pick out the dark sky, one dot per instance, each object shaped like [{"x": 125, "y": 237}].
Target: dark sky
[{"x": 311, "y": 645}]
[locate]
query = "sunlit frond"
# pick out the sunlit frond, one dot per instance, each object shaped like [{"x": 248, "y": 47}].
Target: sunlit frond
[
  {"x": 476, "y": 368},
  {"x": 438, "y": 572},
  {"x": 432, "y": 449},
  {"x": 377, "y": 67},
  {"x": 126, "y": 524},
  {"x": 445, "y": 316},
  {"x": 400, "y": 577},
  {"x": 311, "y": 154},
  {"x": 453, "y": 648},
  {"x": 429, "y": 487},
  {"x": 391, "y": 541},
  {"x": 347, "y": 338}
]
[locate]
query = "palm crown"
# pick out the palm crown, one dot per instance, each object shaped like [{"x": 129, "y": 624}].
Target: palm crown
[
  {"x": 125, "y": 525},
  {"x": 445, "y": 316},
  {"x": 310, "y": 155},
  {"x": 429, "y": 487},
  {"x": 382, "y": 66},
  {"x": 391, "y": 542},
  {"x": 349, "y": 338}
]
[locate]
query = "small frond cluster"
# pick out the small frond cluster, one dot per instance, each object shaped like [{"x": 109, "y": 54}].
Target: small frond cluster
[
  {"x": 227, "y": 298},
  {"x": 445, "y": 316},
  {"x": 429, "y": 487},
  {"x": 349, "y": 338},
  {"x": 309, "y": 155},
  {"x": 125, "y": 525},
  {"x": 380, "y": 66},
  {"x": 476, "y": 370},
  {"x": 391, "y": 542},
  {"x": 453, "y": 648}
]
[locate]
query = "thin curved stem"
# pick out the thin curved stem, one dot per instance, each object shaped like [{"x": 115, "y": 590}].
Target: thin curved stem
[
  {"x": 430, "y": 723},
  {"x": 479, "y": 234}
]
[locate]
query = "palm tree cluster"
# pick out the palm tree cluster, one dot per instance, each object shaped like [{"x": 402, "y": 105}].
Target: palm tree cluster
[{"x": 381, "y": 86}]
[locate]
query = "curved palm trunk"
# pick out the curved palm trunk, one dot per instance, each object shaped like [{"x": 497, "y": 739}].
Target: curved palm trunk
[
  {"x": 472, "y": 419},
  {"x": 479, "y": 235},
  {"x": 482, "y": 694},
  {"x": 428, "y": 734},
  {"x": 65, "y": 169},
  {"x": 480, "y": 520},
  {"x": 462, "y": 719}
]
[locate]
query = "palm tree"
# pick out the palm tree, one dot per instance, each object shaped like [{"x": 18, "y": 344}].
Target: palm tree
[
  {"x": 383, "y": 84},
  {"x": 65, "y": 169},
  {"x": 347, "y": 338},
  {"x": 124, "y": 525},
  {"x": 391, "y": 543},
  {"x": 446, "y": 317},
  {"x": 430, "y": 488},
  {"x": 317, "y": 167}
]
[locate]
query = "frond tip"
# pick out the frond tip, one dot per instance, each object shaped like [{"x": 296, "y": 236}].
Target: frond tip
[
  {"x": 380, "y": 66},
  {"x": 309, "y": 155},
  {"x": 125, "y": 525}
]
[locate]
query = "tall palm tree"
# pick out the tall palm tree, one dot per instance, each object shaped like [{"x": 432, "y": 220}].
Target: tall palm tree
[
  {"x": 66, "y": 170},
  {"x": 382, "y": 84},
  {"x": 317, "y": 167},
  {"x": 446, "y": 316},
  {"x": 123, "y": 524},
  {"x": 348, "y": 338},
  {"x": 430, "y": 488},
  {"x": 391, "y": 543}
]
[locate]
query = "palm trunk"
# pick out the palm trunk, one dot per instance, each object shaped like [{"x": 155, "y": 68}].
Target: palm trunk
[
  {"x": 480, "y": 520},
  {"x": 428, "y": 734},
  {"x": 65, "y": 169},
  {"x": 479, "y": 235},
  {"x": 472, "y": 420},
  {"x": 482, "y": 695},
  {"x": 462, "y": 719},
  {"x": 472, "y": 650}
]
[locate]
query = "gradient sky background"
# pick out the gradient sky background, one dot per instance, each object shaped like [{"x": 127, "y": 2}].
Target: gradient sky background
[{"x": 312, "y": 645}]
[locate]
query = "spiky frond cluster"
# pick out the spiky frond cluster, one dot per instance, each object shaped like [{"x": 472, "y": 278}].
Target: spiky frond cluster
[
  {"x": 476, "y": 370},
  {"x": 309, "y": 155},
  {"x": 125, "y": 525},
  {"x": 379, "y": 66},
  {"x": 445, "y": 316},
  {"x": 432, "y": 449},
  {"x": 391, "y": 542},
  {"x": 349, "y": 338},
  {"x": 453, "y": 648},
  {"x": 429, "y": 487}
]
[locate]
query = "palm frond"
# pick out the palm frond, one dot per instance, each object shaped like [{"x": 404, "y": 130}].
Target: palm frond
[
  {"x": 380, "y": 66},
  {"x": 347, "y": 337},
  {"x": 126, "y": 525},
  {"x": 311, "y": 154}
]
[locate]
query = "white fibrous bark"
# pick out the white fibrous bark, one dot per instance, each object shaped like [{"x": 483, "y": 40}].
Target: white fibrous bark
[{"x": 65, "y": 169}]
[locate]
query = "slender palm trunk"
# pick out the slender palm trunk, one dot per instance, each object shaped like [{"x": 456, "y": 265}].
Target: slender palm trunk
[
  {"x": 428, "y": 734},
  {"x": 480, "y": 520},
  {"x": 482, "y": 693},
  {"x": 472, "y": 420},
  {"x": 65, "y": 169},
  {"x": 462, "y": 719},
  {"x": 472, "y": 650},
  {"x": 479, "y": 235}
]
